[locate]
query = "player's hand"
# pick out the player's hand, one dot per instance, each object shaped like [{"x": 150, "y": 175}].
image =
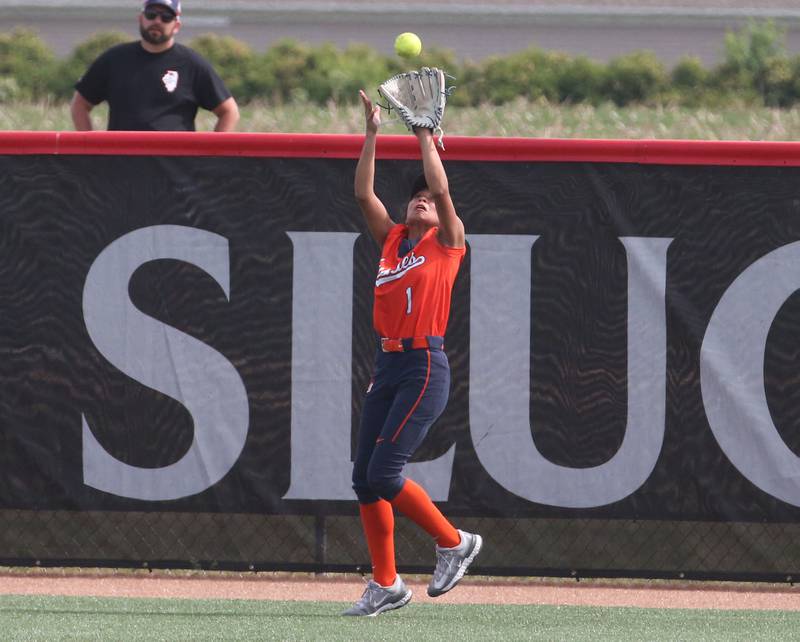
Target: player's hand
[{"x": 372, "y": 113}]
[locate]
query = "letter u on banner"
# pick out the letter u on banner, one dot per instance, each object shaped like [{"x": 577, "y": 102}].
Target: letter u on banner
[{"x": 500, "y": 377}]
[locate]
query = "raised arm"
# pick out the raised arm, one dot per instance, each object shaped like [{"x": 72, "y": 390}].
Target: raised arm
[
  {"x": 374, "y": 211},
  {"x": 451, "y": 229}
]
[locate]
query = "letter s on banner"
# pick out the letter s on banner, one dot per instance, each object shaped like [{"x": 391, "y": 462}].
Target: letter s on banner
[
  {"x": 732, "y": 373},
  {"x": 500, "y": 378},
  {"x": 167, "y": 360}
]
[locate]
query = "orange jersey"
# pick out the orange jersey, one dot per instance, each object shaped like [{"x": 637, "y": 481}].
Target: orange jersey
[{"x": 412, "y": 292}]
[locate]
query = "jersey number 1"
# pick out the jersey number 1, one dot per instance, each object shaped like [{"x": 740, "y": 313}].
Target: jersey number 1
[{"x": 408, "y": 300}]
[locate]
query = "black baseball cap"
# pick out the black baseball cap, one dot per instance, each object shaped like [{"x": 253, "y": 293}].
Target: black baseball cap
[
  {"x": 172, "y": 5},
  {"x": 418, "y": 185}
]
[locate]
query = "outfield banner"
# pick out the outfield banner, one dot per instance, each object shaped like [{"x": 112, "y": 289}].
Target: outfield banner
[{"x": 186, "y": 329}]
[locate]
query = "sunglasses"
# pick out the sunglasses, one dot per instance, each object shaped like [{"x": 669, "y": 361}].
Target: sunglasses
[{"x": 165, "y": 16}]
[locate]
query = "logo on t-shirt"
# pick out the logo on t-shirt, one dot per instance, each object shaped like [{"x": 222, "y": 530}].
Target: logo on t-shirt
[{"x": 170, "y": 80}]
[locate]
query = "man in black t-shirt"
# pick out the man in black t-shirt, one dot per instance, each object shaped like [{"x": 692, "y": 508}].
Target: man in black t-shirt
[{"x": 155, "y": 83}]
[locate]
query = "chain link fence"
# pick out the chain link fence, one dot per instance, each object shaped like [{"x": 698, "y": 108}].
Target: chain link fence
[{"x": 315, "y": 543}]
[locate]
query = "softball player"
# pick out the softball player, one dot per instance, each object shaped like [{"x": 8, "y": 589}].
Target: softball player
[{"x": 411, "y": 382}]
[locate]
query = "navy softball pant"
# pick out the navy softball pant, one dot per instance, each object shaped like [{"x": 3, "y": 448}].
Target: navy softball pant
[{"x": 408, "y": 392}]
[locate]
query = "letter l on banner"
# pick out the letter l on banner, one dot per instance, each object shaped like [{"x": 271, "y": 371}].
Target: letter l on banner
[{"x": 322, "y": 329}]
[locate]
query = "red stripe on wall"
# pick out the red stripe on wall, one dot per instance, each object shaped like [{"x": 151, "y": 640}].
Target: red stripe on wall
[{"x": 458, "y": 148}]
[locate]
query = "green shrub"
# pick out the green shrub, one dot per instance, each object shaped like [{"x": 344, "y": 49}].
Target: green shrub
[
  {"x": 231, "y": 59},
  {"x": 361, "y": 68},
  {"x": 753, "y": 47},
  {"x": 755, "y": 68},
  {"x": 89, "y": 50},
  {"x": 689, "y": 81},
  {"x": 580, "y": 80},
  {"x": 10, "y": 90},
  {"x": 792, "y": 87},
  {"x": 278, "y": 74},
  {"x": 325, "y": 76},
  {"x": 467, "y": 85},
  {"x": 541, "y": 69},
  {"x": 290, "y": 70},
  {"x": 750, "y": 66},
  {"x": 689, "y": 74},
  {"x": 638, "y": 77},
  {"x": 433, "y": 57},
  {"x": 498, "y": 83},
  {"x": 26, "y": 59},
  {"x": 529, "y": 73},
  {"x": 70, "y": 69},
  {"x": 777, "y": 83}
]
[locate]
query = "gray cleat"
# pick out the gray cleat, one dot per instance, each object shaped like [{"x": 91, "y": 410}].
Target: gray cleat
[
  {"x": 377, "y": 599},
  {"x": 452, "y": 563}
]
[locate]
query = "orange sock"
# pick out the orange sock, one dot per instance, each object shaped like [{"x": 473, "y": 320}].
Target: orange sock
[
  {"x": 414, "y": 503},
  {"x": 377, "y": 519}
]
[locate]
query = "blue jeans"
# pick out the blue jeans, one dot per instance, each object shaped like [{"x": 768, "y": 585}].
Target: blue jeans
[{"x": 408, "y": 392}]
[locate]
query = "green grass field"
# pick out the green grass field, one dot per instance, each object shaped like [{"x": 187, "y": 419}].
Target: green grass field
[
  {"x": 519, "y": 118},
  {"x": 85, "y": 618}
]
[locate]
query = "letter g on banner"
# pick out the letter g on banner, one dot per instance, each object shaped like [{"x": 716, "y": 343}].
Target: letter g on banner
[
  {"x": 732, "y": 373},
  {"x": 167, "y": 360}
]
